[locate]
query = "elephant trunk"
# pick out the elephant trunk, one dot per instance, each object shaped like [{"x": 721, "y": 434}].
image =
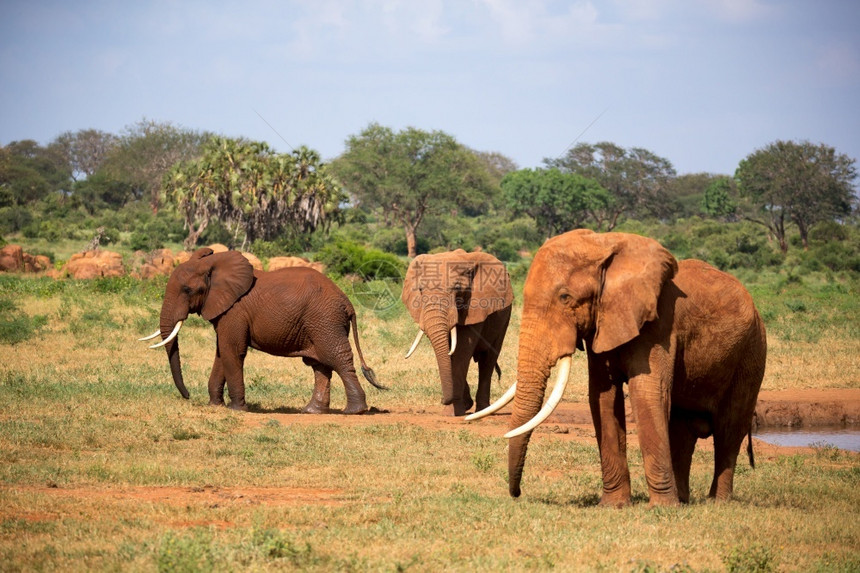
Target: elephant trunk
[
  {"x": 533, "y": 369},
  {"x": 437, "y": 329},
  {"x": 167, "y": 324}
]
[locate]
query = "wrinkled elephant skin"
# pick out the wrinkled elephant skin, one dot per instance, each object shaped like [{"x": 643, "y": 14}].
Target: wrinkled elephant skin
[
  {"x": 468, "y": 295},
  {"x": 685, "y": 337},
  {"x": 295, "y": 312}
]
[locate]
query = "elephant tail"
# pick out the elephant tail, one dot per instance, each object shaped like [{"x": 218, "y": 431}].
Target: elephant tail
[
  {"x": 366, "y": 370},
  {"x": 498, "y": 370},
  {"x": 750, "y": 449}
]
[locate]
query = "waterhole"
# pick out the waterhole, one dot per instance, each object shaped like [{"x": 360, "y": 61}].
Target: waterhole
[{"x": 842, "y": 437}]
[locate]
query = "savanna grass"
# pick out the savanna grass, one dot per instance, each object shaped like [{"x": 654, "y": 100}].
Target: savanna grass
[{"x": 104, "y": 467}]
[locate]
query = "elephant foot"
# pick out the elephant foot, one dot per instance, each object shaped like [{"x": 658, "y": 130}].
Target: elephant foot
[
  {"x": 456, "y": 409},
  {"x": 214, "y": 402},
  {"x": 607, "y": 500},
  {"x": 663, "y": 501},
  {"x": 314, "y": 408},
  {"x": 239, "y": 407},
  {"x": 359, "y": 408}
]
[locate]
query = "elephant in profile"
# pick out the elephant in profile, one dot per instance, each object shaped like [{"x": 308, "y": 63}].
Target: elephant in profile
[
  {"x": 289, "y": 312},
  {"x": 468, "y": 295},
  {"x": 685, "y": 337}
]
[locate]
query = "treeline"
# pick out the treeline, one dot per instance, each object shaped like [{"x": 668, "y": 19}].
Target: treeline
[{"x": 416, "y": 191}]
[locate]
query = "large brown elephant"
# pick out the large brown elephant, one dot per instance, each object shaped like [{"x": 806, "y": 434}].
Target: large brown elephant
[
  {"x": 289, "y": 312},
  {"x": 468, "y": 295},
  {"x": 685, "y": 337}
]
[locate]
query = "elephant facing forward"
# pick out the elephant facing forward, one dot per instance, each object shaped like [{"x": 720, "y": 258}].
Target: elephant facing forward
[
  {"x": 469, "y": 296},
  {"x": 289, "y": 312},
  {"x": 685, "y": 337}
]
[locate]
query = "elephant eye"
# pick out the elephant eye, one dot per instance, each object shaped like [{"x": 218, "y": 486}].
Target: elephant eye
[{"x": 565, "y": 298}]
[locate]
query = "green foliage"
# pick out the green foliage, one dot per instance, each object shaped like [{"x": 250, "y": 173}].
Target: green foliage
[
  {"x": 413, "y": 174},
  {"x": 799, "y": 183},
  {"x": 754, "y": 558},
  {"x": 637, "y": 180},
  {"x": 718, "y": 200},
  {"x": 557, "y": 201},
  {"x": 348, "y": 258},
  {"x": 253, "y": 191},
  {"x": 15, "y": 325},
  {"x": 144, "y": 241}
]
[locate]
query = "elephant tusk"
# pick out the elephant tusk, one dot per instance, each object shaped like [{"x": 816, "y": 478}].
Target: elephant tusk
[
  {"x": 170, "y": 336},
  {"x": 554, "y": 399},
  {"x": 453, "y": 340},
  {"x": 415, "y": 344},
  {"x": 151, "y": 336},
  {"x": 495, "y": 406}
]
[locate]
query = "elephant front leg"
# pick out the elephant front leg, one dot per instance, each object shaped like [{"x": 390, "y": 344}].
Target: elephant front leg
[
  {"x": 606, "y": 400},
  {"x": 233, "y": 366},
  {"x": 486, "y": 365},
  {"x": 217, "y": 381},
  {"x": 459, "y": 371},
  {"x": 650, "y": 401},
  {"x": 321, "y": 398}
]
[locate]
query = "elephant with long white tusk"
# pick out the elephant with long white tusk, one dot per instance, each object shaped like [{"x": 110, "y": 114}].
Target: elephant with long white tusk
[
  {"x": 685, "y": 337},
  {"x": 462, "y": 302}
]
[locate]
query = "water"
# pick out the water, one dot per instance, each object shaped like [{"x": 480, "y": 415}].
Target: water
[{"x": 838, "y": 436}]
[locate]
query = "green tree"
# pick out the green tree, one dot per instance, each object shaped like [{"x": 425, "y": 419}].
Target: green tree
[
  {"x": 718, "y": 200},
  {"x": 85, "y": 150},
  {"x": 146, "y": 151},
  {"x": 411, "y": 174},
  {"x": 557, "y": 201},
  {"x": 100, "y": 191},
  {"x": 252, "y": 190},
  {"x": 801, "y": 183},
  {"x": 30, "y": 172},
  {"x": 636, "y": 178}
]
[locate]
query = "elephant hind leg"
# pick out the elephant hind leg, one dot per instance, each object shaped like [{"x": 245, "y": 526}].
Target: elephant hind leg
[
  {"x": 321, "y": 398},
  {"x": 682, "y": 443},
  {"x": 356, "y": 401},
  {"x": 725, "y": 458}
]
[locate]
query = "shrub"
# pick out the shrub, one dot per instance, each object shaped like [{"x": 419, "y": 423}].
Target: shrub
[
  {"x": 16, "y": 326},
  {"x": 348, "y": 258},
  {"x": 753, "y": 559},
  {"x": 504, "y": 250},
  {"x": 144, "y": 241}
]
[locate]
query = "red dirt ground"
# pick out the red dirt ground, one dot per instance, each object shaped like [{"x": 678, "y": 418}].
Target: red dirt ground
[{"x": 570, "y": 422}]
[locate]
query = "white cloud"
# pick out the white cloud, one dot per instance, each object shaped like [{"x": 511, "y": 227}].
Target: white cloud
[{"x": 740, "y": 11}]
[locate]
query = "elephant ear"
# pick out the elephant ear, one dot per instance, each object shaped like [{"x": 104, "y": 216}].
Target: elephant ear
[
  {"x": 200, "y": 253},
  {"x": 411, "y": 295},
  {"x": 634, "y": 275},
  {"x": 231, "y": 276},
  {"x": 490, "y": 289}
]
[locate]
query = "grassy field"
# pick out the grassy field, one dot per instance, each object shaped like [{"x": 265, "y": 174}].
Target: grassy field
[{"x": 105, "y": 467}]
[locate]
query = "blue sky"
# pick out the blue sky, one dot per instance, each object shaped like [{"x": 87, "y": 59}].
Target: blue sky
[{"x": 702, "y": 84}]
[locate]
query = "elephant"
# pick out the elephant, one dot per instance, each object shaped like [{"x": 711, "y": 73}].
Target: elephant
[
  {"x": 289, "y": 312},
  {"x": 468, "y": 295},
  {"x": 685, "y": 337}
]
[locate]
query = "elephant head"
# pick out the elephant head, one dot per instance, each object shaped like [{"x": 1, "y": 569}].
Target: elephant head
[
  {"x": 207, "y": 284},
  {"x": 444, "y": 290},
  {"x": 583, "y": 288}
]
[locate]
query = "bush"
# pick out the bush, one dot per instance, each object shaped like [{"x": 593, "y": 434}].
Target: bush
[
  {"x": 348, "y": 258},
  {"x": 16, "y": 326},
  {"x": 144, "y": 241},
  {"x": 504, "y": 250}
]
